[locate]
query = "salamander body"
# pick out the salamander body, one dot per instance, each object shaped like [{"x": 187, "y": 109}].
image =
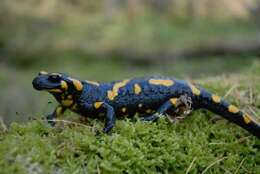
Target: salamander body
[{"x": 148, "y": 96}]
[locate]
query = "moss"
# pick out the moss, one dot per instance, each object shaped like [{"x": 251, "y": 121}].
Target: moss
[{"x": 133, "y": 147}]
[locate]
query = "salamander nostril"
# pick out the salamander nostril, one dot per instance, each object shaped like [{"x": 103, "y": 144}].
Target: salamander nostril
[{"x": 36, "y": 84}]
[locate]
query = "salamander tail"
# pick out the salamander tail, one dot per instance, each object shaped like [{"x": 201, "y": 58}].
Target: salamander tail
[{"x": 230, "y": 112}]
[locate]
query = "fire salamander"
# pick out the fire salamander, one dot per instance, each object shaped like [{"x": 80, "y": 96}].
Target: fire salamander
[{"x": 149, "y": 97}]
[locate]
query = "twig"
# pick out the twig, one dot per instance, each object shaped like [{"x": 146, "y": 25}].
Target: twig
[
  {"x": 71, "y": 122},
  {"x": 230, "y": 90},
  {"x": 253, "y": 111},
  {"x": 216, "y": 143},
  {"x": 251, "y": 98},
  {"x": 212, "y": 164},
  {"x": 191, "y": 165},
  {"x": 254, "y": 117},
  {"x": 241, "y": 140},
  {"x": 239, "y": 166}
]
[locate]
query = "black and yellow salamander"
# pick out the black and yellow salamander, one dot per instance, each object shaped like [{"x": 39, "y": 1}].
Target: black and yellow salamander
[{"x": 148, "y": 96}]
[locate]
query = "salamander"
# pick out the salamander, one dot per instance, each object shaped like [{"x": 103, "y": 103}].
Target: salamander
[{"x": 149, "y": 97}]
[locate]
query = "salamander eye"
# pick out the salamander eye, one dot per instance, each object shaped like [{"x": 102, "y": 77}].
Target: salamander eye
[{"x": 54, "y": 78}]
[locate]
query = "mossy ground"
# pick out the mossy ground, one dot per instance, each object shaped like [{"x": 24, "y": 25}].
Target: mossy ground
[{"x": 197, "y": 144}]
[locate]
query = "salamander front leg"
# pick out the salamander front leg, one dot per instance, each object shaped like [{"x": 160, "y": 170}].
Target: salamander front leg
[
  {"x": 103, "y": 107},
  {"x": 58, "y": 112},
  {"x": 110, "y": 118}
]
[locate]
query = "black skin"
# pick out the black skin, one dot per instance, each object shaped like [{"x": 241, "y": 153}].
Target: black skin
[{"x": 149, "y": 97}]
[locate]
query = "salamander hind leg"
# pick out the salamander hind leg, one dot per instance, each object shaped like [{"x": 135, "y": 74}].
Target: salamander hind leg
[
  {"x": 183, "y": 108},
  {"x": 181, "y": 104}
]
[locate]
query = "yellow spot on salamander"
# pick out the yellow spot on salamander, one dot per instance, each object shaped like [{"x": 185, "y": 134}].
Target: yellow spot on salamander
[
  {"x": 137, "y": 89},
  {"x": 67, "y": 103},
  {"x": 164, "y": 82},
  {"x": 174, "y": 101},
  {"x": 69, "y": 96},
  {"x": 92, "y": 82},
  {"x": 64, "y": 85},
  {"x": 247, "y": 118},
  {"x": 140, "y": 105},
  {"x": 111, "y": 94},
  {"x": 194, "y": 89},
  {"x": 216, "y": 98},
  {"x": 77, "y": 84},
  {"x": 233, "y": 109},
  {"x": 98, "y": 104},
  {"x": 123, "y": 110},
  {"x": 55, "y": 90}
]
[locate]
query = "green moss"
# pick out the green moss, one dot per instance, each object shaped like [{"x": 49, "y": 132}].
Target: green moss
[{"x": 133, "y": 147}]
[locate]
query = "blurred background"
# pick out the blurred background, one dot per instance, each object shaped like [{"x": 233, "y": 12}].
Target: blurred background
[{"x": 106, "y": 40}]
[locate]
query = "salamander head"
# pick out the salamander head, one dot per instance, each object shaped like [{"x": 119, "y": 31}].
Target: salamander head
[{"x": 56, "y": 83}]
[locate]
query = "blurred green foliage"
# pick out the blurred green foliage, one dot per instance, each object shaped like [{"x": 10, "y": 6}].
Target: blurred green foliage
[{"x": 33, "y": 30}]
